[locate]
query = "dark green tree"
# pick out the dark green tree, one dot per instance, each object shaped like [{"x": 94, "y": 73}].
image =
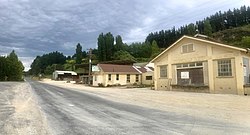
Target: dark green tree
[
  {"x": 109, "y": 44},
  {"x": 79, "y": 54},
  {"x": 40, "y": 63},
  {"x": 191, "y": 29},
  {"x": 155, "y": 49},
  {"x": 245, "y": 42},
  {"x": 4, "y": 68},
  {"x": 207, "y": 28},
  {"x": 123, "y": 55},
  {"x": 105, "y": 47},
  {"x": 11, "y": 68},
  {"x": 119, "y": 43},
  {"x": 101, "y": 48}
]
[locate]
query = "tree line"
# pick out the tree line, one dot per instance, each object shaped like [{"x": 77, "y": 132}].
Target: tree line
[
  {"x": 113, "y": 49},
  {"x": 217, "y": 22},
  {"x": 110, "y": 50},
  {"x": 11, "y": 68},
  {"x": 48, "y": 63}
]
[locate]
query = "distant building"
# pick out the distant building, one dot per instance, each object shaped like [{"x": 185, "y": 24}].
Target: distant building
[
  {"x": 65, "y": 75},
  {"x": 147, "y": 72},
  {"x": 201, "y": 65},
  {"x": 110, "y": 74}
]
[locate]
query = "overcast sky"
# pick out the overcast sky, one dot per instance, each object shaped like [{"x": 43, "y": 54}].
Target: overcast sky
[{"x": 35, "y": 27}]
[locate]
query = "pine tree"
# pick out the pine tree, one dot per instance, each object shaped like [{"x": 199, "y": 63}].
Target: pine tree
[
  {"x": 14, "y": 71},
  {"x": 207, "y": 28},
  {"x": 154, "y": 49}
]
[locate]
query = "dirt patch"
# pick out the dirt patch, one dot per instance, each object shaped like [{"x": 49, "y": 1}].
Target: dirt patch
[
  {"x": 225, "y": 108},
  {"x": 26, "y": 118}
]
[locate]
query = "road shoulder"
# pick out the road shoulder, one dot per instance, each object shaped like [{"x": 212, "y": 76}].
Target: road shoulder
[{"x": 27, "y": 117}]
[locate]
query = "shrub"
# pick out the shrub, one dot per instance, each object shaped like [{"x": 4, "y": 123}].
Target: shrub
[{"x": 100, "y": 85}]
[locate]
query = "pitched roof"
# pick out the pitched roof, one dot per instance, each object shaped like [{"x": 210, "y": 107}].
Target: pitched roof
[
  {"x": 144, "y": 69},
  {"x": 198, "y": 39},
  {"x": 111, "y": 68}
]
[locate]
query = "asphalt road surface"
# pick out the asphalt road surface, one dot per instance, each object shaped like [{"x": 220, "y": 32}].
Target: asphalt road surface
[{"x": 73, "y": 112}]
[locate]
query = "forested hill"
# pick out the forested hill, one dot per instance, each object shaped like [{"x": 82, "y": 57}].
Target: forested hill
[
  {"x": 239, "y": 36},
  {"x": 210, "y": 26}
]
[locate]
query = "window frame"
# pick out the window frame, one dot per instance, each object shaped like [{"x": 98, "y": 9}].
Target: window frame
[
  {"x": 128, "y": 77},
  {"x": 95, "y": 77},
  {"x": 147, "y": 77},
  {"x": 136, "y": 78},
  {"x": 186, "y": 48},
  {"x": 224, "y": 68},
  {"x": 117, "y": 77},
  {"x": 109, "y": 77},
  {"x": 189, "y": 65},
  {"x": 163, "y": 71}
]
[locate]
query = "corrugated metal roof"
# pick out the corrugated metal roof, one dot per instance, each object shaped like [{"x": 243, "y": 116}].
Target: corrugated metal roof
[{"x": 67, "y": 72}]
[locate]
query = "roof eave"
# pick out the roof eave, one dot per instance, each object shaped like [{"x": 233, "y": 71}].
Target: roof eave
[
  {"x": 152, "y": 61},
  {"x": 197, "y": 39}
]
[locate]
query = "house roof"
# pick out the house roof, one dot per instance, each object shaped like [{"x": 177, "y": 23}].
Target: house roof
[
  {"x": 201, "y": 40},
  {"x": 144, "y": 69},
  {"x": 111, "y": 68}
]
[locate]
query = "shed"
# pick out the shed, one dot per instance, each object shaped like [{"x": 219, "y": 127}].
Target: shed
[{"x": 65, "y": 75}]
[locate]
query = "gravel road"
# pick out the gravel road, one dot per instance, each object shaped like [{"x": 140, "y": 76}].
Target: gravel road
[
  {"x": 70, "y": 111},
  {"x": 34, "y": 108},
  {"x": 19, "y": 110}
]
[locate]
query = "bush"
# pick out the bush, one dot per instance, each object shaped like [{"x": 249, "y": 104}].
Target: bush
[{"x": 100, "y": 85}]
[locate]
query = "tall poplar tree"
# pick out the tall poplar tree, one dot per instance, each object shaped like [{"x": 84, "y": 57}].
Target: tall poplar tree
[
  {"x": 109, "y": 43},
  {"x": 118, "y": 43},
  {"x": 101, "y": 48},
  {"x": 105, "y": 47},
  {"x": 79, "y": 54}
]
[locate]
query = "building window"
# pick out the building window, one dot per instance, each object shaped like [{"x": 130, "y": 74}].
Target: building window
[
  {"x": 199, "y": 64},
  {"x": 187, "y": 48},
  {"x": 149, "y": 77},
  {"x": 137, "y": 78},
  {"x": 189, "y": 65},
  {"x": 128, "y": 77},
  {"x": 179, "y": 66},
  {"x": 109, "y": 77},
  {"x": 95, "y": 78},
  {"x": 224, "y": 68},
  {"x": 117, "y": 76},
  {"x": 163, "y": 71},
  {"x": 184, "y": 65}
]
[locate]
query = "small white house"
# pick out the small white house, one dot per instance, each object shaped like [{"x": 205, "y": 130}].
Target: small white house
[{"x": 110, "y": 74}]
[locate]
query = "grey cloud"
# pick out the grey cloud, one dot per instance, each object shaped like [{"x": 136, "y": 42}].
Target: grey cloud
[{"x": 34, "y": 27}]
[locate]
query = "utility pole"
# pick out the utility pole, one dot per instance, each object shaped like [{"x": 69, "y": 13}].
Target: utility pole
[{"x": 90, "y": 68}]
